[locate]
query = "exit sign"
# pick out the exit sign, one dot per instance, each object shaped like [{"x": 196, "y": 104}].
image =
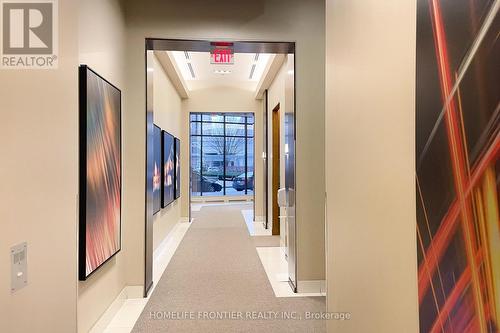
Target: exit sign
[{"x": 222, "y": 53}]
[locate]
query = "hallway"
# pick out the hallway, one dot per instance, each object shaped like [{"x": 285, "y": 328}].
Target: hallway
[{"x": 216, "y": 271}]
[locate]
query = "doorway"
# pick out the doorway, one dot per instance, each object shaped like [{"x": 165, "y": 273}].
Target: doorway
[{"x": 222, "y": 170}]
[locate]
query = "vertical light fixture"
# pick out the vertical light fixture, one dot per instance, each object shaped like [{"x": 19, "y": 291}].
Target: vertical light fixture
[
  {"x": 259, "y": 65},
  {"x": 184, "y": 63}
]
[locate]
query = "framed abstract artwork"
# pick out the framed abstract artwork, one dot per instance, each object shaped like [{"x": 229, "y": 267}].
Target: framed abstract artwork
[
  {"x": 177, "y": 164},
  {"x": 100, "y": 175},
  {"x": 157, "y": 165},
  {"x": 168, "y": 169},
  {"x": 457, "y": 166}
]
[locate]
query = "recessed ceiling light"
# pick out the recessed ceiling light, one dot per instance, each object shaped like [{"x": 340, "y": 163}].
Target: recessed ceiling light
[
  {"x": 252, "y": 71},
  {"x": 184, "y": 65},
  {"x": 258, "y": 66},
  {"x": 222, "y": 71},
  {"x": 191, "y": 70}
]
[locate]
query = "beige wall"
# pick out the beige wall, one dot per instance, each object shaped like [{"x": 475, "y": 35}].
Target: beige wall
[
  {"x": 310, "y": 242},
  {"x": 268, "y": 20},
  {"x": 38, "y": 192},
  {"x": 167, "y": 115},
  {"x": 50, "y": 223},
  {"x": 370, "y": 126},
  {"x": 275, "y": 96},
  {"x": 101, "y": 44},
  {"x": 229, "y": 99}
]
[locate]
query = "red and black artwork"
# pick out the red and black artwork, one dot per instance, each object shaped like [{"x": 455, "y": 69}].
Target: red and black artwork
[{"x": 457, "y": 167}]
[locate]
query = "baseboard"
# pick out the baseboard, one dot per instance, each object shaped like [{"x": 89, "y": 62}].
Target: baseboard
[
  {"x": 131, "y": 292},
  {"x": 311, "y": 286},
  {"x": 127, "y": 292},
  {"x": 164, "y": 243},
  {"x": 221, "y": 199}
]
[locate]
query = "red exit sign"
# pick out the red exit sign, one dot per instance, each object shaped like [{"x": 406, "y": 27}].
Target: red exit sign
[{"x": 222, "y": 54}]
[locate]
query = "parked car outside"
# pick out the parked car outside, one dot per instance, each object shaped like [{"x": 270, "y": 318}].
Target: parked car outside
[
  {"x": 213, "y": 169},
  {"x": 239, "y": 182},
  {"x": 203, "y": 184}
]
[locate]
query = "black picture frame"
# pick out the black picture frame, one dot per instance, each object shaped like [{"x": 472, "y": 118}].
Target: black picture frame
[
  {"x": 157, "y": 169},
  {"x": 83, "y": 77},
  {"x": 168, "y": 169},
  {"x": 177, "y": 168}
]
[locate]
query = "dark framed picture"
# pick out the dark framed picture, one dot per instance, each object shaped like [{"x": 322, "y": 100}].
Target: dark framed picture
[
  {"x": 168, "y": 169},
  {"x": 457, "y": 167},
  {"x": 157, "y": 165},
  {"x": 100, "y": 176},
  {"x": 177, "y": 164}
]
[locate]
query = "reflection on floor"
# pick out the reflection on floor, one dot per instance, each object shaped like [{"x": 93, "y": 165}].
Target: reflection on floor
[
  {"x": 276, "y": 267},
  {"x": 273, "y": 259},
  {"x": 254, "y": 228},
  {"x": 197, "y": 205}
]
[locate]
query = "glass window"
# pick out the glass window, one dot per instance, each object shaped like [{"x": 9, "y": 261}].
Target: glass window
[
  {"x": 212, "y": 165},
  {"x": 213, "y": 129},
  {"x": 250, "y": 166},
  {"x": 235, "y": 130},
  {"x": 195, "y": 165},
  {"x": 236, "y": 119},
  {"x": 212, "y": 117},
  {"x": 235, "y": 166},
  {"x": 222, "y": 156},
  {"x": 195, "y": 128},
  {"x": 250, "y": 130}
]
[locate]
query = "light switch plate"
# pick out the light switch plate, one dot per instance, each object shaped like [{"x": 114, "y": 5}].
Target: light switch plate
[{"x": 19, "y": 266}]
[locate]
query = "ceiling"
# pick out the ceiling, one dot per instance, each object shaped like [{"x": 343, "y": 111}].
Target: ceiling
[{"x": 198, "y": 73}]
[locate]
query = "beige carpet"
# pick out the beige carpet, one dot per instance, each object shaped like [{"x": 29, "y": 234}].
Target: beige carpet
[{"x": 216, "y": 272}]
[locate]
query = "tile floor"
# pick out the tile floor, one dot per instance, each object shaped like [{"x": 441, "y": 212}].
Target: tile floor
[
  {"x": 254, "y": 228},
  {"x": 196, "y": 206},
  {"x": 276, "y": 267}
]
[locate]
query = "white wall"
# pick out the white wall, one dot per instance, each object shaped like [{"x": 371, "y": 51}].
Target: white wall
[
  {"x": 38, "y": 191},
  {"x": 370, "y": 158},
  {"x": 167, "y": 114},
  {"x": 101, "y": 41}
]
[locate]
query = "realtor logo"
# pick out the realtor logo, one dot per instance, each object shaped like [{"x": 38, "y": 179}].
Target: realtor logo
[{"x": 29, "y": 34}]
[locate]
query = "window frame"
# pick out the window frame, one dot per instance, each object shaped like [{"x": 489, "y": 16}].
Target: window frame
[{"x": 249, "y": 120}]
